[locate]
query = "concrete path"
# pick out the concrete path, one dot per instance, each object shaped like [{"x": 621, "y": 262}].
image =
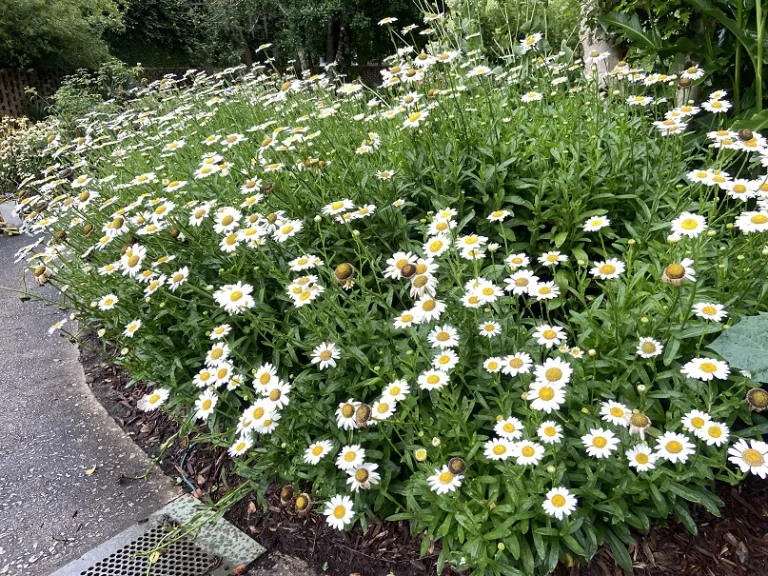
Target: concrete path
[{"x": 52, "y": 433}]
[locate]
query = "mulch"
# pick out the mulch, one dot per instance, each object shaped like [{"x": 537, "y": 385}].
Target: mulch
[{"x": 734, "y": 545}]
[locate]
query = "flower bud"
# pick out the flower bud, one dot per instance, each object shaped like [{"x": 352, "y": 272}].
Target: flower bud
[
  {"x": 435, "y": 441},
  {"x": 286, "y": 495},
  {"x": 457, "y": 466}
]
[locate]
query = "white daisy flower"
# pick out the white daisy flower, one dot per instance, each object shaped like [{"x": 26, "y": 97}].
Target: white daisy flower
[
  {"x": 363, "y": 477},
  {"x": 674, "y": 447},
  {"x": 559, "y": 502},
  {"x": 641, "y": 458},
  {"x": 600, "y": 442},
  {"x": 615, "y": 413},
  {"x": 608, "y": 270},
  {"x": 350, "y": 457},
  {"x": 750, "y": 457},
  {"x": 649, "y": 347},
  {"x": 432, "y": 379},
  {"x": 549, "y": 336},
  {"x": 443, "y": 337},
  {"x": 518, "y": 363},
  {"x": 316, "y": 451},
  {"x": 498, "y": 449},
  {"x": 710, "y": 311},
  {"x": 339, "y": 512},
  {"x": 154, "y": 399},
  {"x": 550, "y": 432},
  {"x": 325, "y": 355},
  {"x": 443, "y": 481},
  {"x": 446, "y": 360},
  {"x": 510, "y": 428},
  {"x": 706, "y": 369},
  {"x": 205, "y": 404}
]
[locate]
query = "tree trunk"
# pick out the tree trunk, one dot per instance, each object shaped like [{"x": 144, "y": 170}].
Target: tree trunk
[
  {"x": 594, "y": 43},
  {"x": 332, "y": 39}
]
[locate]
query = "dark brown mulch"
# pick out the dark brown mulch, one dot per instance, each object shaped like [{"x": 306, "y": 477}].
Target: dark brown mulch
[{"x": 734, "y": 545}]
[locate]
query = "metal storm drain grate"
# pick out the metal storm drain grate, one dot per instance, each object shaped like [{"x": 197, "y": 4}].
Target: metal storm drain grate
[
  {"x": 181, "y": 558},
  {"x": 215, "y": 551}
]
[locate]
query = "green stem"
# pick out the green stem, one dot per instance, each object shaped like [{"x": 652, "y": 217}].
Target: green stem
[{"x": 759, "y": 63}]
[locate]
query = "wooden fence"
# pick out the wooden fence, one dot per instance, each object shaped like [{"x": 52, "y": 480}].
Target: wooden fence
[{"x": 12, "y": 85}]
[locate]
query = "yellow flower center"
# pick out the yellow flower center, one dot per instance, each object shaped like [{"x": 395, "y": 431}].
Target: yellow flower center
[
  {"x": 499, "y": 449},
  {"x": 544, "y": 290},
  {"x": 445, "y": 478},
  {"x": 154, "y": 399},
  {"x": 617, "y": 412},
  {"x": 546, "y": 393},
  {"x": 435, "y": 245},
  {"x": 443, "y": 337},
  {"x": 275, "y": 394},
  {"x": 641, "y": 458},
  {"x": 429, "y": 305},
  {"x": 348, "y": 411},
  {"x": 433, "y": 379},
  {"x": 709, "y": 310},
  {"x": 362, "y": 475},
  {"x": 708, "y": 367},
  {"x": 394, "y": 391},
  {"x": 558, "y": 500},
  {"x": 317, "y": 450},
  {"x": 206, "y": 405},
  {"x": 350, "y": 456},
  {"x": 265, "y": 378},
  {"x": 493, "y": 365},
  {"x": 133, "y": 261},
  {"x": 217, "y": 353},
  {"x": 759, "y": 219},
  {"x": 473, "y": 299},
  {"x": 339, "y": 512},
  {"x": 235, "y": 296},
  {"x": 421, "y": 268},
  {"x": 553, "y": 374},
  {"x": 674, "y": 447},
  {"x": 550, "y": 431},
  {"x": 406, "y": 318},
  {"x": 549, "y": 334},
  {"x": 648, "y": 347},
  {"x": 599, "y": 442},
  {"x": 414, "y": 117},
  {"x": 606, "y": 269},
  {"x": 716, "y": 104},
  {"x": 675, "y": 271},
  {"x": 527, "y": 451},
  {"x": 227, "y": 220},
  {"x": 739, "y": 188},
  {"x": 715, "y": 431},
  {"x": 752, "y": 457},
  {"x": 258, "y": 413},
  {"x": 326, "y": 355}
]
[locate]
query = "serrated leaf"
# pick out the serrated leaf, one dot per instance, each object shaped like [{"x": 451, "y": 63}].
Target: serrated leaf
[{"x": 745, "y": 346}]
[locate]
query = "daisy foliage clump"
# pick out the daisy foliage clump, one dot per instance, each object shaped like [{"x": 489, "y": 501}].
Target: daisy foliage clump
[{"x": 474, "y": 298}]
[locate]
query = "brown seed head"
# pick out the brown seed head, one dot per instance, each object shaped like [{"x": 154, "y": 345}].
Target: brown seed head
[
  {"x": 457, "y": 465},
  {"x": 344, "y": 272},
  {"x": 757, "y": 398}
]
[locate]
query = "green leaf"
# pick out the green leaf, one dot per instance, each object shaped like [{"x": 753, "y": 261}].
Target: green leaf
[
  {"x": 745, "y": 346},
  {"x": 574, "y": 545},
  {"x": 681, "y": 511},
  {"x": 698, "y": 496},
  {"x": 619, "y": 551},
  {"x": 631, "y": 29},
  {"x": 708, "y": 8}
]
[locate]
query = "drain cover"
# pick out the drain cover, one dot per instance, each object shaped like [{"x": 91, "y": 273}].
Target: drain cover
[{"x": 214, "y": 551}]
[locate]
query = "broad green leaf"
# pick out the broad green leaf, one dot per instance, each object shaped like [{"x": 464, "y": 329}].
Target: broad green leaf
[
  {"x": 631, "y": 28},
  {"x": 745, "y": 346}
]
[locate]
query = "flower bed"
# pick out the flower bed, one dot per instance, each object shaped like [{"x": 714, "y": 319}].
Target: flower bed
[{"x": 479, "y": 299}]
